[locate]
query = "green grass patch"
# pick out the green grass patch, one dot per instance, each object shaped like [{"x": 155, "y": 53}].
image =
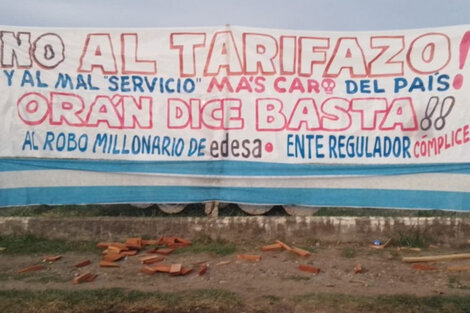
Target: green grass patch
[
  {"x": 349, "y": 253},
  {"x": 29, "y": 244},
  {"x": 384, "y": 304},
  {"x": 217, "y": 247},
  {"x": 114, "y": 300},
  {"x": 414, "y": 239}
]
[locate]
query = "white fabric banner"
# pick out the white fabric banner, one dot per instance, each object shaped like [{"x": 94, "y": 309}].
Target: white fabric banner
[{"x": 234, "y": 93}]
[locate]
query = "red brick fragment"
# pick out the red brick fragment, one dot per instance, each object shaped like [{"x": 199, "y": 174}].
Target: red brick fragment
[
  {"x": 117, "y": 247},
  {"x": 162, "y": 268},
  {"x": 175, "y": 269},
  {"x": 134, "y": 243},
  {"x": 103, "y": 244},
  {"x": 167, "y": 240},
  {"x": 283, "y": 245},
  {"x": 164, "y": 251},
  {"x": 83, "y": 263},
  {"x": 203, "y": 269},
  {"x": 32, "y": 268},
  {"x": 249, "y": 257},
  {"x": 309, "y": 268},
  {"x": 113, "y": 257},
  {"x": 147, "y": 270},
  {"x": 185, "y": 271},
  {"x": 151, "y": 259},
  {"x": 358, "y": 268},
  {"x": 52, "y": 258},
  {"x": 424, "y": 267},
  {"x": 182, "y": 241},
  {"x": 82, "y": 278},
  {"x": 104, "y": 263},
  {"x": 301, "y": 252},
  {"x": 178, "y": 245},
  {"x": 149, "y": 242},
  {"x": 129, "y": 253},
  {"x": 85, "y": 277},
  {"x": 272, "y": 247}
]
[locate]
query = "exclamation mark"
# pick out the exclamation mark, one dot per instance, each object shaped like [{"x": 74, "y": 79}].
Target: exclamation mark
[{"x": 464, "y": 46}]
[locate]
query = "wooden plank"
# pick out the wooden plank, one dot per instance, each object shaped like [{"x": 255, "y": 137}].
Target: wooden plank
[{"x": 436, "y": 258}]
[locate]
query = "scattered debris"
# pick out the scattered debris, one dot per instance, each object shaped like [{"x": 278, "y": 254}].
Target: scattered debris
[
  {"x": 203, "y": 269},
  {"x": 51, "y": 258},
  {"x": 164, "y": 251},
  {"x": 134, "y": 243},
  {"x": 175, "y": 269},
  {"x": 309, "y": 268},
  {"x": 380, "y": 245},
  {"x": 103, "y": 244},
  {"x": 436, "y": 258},
  {"x": 83, "y": 263},
  {"x": 249, "y": 257},
  {"x": 272, "y": 247},
  {"x": 149, "y": 242},
  {"x": 409, "y": 249},
  {"x": 151, "y": 259},
  {"x": 223, "y": 263},
  {"x": 357, "y": 281},
  {"x": 458, "y": 268},
  {"x": 105, "y": 263},
  {"x": 113, "y": 257},
  {"x": 283, "y": 245},
  {"x": 424, "y": 267},
  {"x": 129, "y": 253},
  {"x": 117, "y": 247},
  {"x": 32, "y": 268},
  {"x": 2, "y": 249},
  {"x": 85, "y": 277},
  {"x": 185, "y": 271},
  {"x": 301, "y": 252},
  {"x": 358, "y": 269}
]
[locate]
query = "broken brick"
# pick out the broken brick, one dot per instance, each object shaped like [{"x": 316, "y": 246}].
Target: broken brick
[
  {"x": 203, "y": 269},
  {"x": 300, "y": 252},
  {"x": 424, "y": 267},
  {"x": 149, "y": 242},
  {"x": 32, "y": 268},
  {"x": 283, "y": 245},
  {"x": 178, "y": 245},
  {"x": 151, "y": 259},
  {"x": 129, "y": 253},
  {"x": 162, "y": 268},
  {"x": 103, "y": 244},
  {"x": 309, "y": 268},
  {"x": 104, "y": 263},
  {"x": 358, "y": 268},
  {"x": 113, "y": 257},
  {"x": 167, "y": 240},
  {"x": 182, "y": 241},
  {"x": 81, "y": 278},
  {"x": 185, "y": 271},
  {"x": 52, "y": 258},
  {"x": 147, "y": 270},
  {"x": 249, "y": 257},
  {"x": 91, "y": 278},
  {"x": 272, "y": 247},
  {"x": 175, "y": 269},
  {"x": 134, "y": 243},
  {"x": 164, "y": 251},
  {"x": 117, "y": 247},
  {"x": 83, "y": 263}
]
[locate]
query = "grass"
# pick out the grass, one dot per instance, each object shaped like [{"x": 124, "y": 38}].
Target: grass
[
  {"x": 413, "y": 239},
  {"x": 29, "y": 244},
  {"x": 114, "y": 300},
  {"x": 384, "y": 304},
  {"x": 216, "y": 247},
  {"x": 217, "y": 300},
  {"x": 349, "y": 253}
]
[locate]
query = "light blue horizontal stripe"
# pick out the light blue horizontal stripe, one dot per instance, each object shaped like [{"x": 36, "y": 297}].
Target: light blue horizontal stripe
[
  {"x": 227, "y": 168},
  {"x": 378, "y": 198}
]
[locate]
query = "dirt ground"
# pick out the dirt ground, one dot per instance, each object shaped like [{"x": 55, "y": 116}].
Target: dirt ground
[{"x": 276, "y": 275}]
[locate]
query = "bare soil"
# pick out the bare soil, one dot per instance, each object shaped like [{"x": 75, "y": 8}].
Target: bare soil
[{"x": 275, "y": 276}]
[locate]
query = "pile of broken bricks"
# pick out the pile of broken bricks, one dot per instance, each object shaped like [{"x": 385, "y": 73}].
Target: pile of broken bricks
[{"x": 159, "y": 249}]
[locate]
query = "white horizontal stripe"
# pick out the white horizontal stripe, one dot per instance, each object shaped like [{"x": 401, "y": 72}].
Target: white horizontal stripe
[{"x": 64, "y": 178}]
